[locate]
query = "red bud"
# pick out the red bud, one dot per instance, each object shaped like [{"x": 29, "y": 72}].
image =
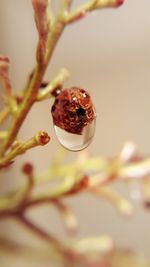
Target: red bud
[{"x": 27, "y": 168}]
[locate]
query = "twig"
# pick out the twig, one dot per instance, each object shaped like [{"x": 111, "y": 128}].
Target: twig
[
  {"x": 69, "y": 219},
  {"x": 41, "y": 233},
  {"x": 23, "y": 109},
  {"x": 4, "y": 114},
  {"x": 120, "y": 203},
  {"x": 40, "y": 139},
  {"x": 27, "y": 169},
  {"x": 62, "y": 75},
  {"x": 51, "y": 39},
  {"x": 34, "y": 85},
  {"x": 92, "y": 5},
  {"x": 5, "y": 81},
  {"x": 58, "y": 27},
  {"x": 43, "y": 27}
]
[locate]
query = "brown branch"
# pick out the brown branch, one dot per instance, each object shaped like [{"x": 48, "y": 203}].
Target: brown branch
[
  {"x": 27, "y": 169},
  {"x": 42, "y": 23},
  {"x": 34, "y": 85},
  {"x": 40, "y": 232},
  {"x": 18, "y": 213}
]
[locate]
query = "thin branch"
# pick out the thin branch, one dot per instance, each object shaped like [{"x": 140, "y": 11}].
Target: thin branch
[
  {"x": 4, "y": 114},
  {"x": 62, "y": 76},
  {"x": 120, "y": 203},
  {"x": 61, "y": 19},
  {"x": 43, "y": 27},
  {"x": 5, "y": 81},
  {"x": 72, "y": 184},
  {"x": 27, "y": 169},
  {"x": 25, "y": 106},
  {"x": 67, "y": 215},
  {"x": 65, "y": 5},
  {"x": 58, "y": 27},
  {"x": 40, "y": 232},
  {"x": 40, "y": 139},
  {"x": 34, "y": 85},
  {"x": 91, "y": 6}
]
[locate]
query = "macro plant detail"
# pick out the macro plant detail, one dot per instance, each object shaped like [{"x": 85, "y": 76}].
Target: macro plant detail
[{"x": 74, "y": 119}]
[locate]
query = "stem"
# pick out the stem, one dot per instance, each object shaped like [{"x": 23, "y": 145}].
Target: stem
[
  {"x": 34, "y": 85},
  {"x": 41, "y": 233},
  {"x": 23, "y": 109},
  {"x": 40, "y": 139},
  {"x": 62, "y": 18},
  {"x": 90, "y": 6},
  {"x": 57, "y": 81},
  {"x": 4, "y": 114}
]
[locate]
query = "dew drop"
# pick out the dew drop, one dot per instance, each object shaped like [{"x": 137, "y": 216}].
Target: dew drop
[
  {"x": 74, "y": 118},
  {"x": 75, "y": 142}
]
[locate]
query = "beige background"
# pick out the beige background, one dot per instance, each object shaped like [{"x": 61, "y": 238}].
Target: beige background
[{"x": 108, "y": 53}]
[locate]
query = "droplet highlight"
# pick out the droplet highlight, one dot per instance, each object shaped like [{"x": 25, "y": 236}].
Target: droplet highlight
[{"x": 74, "y": 118}]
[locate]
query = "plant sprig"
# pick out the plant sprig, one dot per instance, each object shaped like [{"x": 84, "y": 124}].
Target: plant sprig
[{"x": 49, "y": 29}]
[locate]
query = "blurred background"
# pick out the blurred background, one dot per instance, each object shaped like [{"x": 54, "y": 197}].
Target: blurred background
[{"x": 108, "y": 54}]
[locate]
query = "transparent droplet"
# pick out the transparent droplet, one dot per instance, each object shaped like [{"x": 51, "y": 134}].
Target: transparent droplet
[
  {"x": 74, "y": 118},
  {"x": 76, "y": 142}
]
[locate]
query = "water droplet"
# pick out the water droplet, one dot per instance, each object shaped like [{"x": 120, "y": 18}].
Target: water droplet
[
  {"x": 76, "y": 142},
  {"x": 74, "y": 118}
]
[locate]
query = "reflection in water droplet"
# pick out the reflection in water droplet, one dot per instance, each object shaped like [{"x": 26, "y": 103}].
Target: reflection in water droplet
[{"x": 76, "y": 142}]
